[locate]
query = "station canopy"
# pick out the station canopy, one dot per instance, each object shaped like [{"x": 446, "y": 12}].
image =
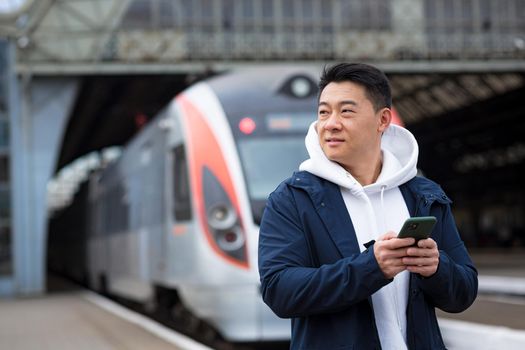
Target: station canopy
[{"x": 460, "y": 92}]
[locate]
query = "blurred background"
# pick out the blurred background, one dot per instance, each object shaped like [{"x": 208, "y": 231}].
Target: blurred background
[{"x": 80, "y": 80}]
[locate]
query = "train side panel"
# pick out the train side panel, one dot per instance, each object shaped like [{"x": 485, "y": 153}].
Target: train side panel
[{"x": 128, "y": 204}]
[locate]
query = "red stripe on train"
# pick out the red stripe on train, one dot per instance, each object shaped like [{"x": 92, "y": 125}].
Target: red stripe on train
[{"x": 204, "y": 150}]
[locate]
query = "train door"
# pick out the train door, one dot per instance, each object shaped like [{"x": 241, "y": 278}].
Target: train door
[
  {"x": 136, "y": 249},
  {"x": 150, "y": 227},
  {"x": 145, "y": 223},
  {"x": 180, "y": 240},
  {"x": 154, "y": 206}
]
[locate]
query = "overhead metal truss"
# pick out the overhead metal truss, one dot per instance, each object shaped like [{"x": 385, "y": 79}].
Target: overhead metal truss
[
  {"x": 86, "y": 35},
  {"x": 58, "y": 31},
  {"x": 422, "y": 96}
]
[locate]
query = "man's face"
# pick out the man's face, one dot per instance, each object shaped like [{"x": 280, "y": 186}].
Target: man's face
[{"x": 349, "y": 128}]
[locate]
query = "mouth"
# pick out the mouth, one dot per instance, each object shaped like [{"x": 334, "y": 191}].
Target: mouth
[{"x": 334, "y": 141}]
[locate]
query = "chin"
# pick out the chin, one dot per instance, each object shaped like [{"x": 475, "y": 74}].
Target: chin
[{"x": 333, "y": 158}]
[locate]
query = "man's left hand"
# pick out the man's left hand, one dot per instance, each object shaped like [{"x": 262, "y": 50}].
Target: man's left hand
[{"x": 423, "y": 258}]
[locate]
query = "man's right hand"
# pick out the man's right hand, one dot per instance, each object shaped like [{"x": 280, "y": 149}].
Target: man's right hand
[{"x": 389, "y": 252}]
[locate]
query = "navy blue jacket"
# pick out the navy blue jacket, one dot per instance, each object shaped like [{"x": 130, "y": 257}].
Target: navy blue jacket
[{"x": 312, "y": 269}]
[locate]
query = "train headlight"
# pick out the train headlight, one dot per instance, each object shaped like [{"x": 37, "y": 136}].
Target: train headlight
[
  {"x": 222, "y": 220},
  {"x": 230, "y": 240},
  {"x": 221, "y": 217},
  {"x": 298, "y": 86}
]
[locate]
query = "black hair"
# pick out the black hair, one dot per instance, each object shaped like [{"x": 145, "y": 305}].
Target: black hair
[{"x": 375, "y": 82}]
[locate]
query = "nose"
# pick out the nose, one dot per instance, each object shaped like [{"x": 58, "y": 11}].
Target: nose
[{"x": 332, "y": 122}]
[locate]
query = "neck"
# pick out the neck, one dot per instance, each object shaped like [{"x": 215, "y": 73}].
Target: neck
[{"x": 367, "y": 172}]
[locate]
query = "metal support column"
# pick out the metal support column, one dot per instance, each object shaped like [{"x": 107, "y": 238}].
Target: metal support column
[
  {"x": 7, "y": 279},
  {"x": 38, "y": 113}
]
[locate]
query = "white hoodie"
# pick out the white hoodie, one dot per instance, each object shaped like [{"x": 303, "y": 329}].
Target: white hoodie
[{"x": 374, "y": 210}]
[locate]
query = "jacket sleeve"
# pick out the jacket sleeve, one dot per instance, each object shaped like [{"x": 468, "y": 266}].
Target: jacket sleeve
[
  {"x": 292, "y": 286},
  {"x": 454, "y": 286}
]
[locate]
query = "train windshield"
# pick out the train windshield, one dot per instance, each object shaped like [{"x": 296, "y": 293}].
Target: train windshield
[{"x": 267, "y": 161}]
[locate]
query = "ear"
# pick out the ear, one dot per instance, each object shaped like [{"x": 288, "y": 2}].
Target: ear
[{"x": 385, "y": 117}]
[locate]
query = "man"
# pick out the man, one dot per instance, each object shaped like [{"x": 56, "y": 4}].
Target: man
[{"x": 329, "y": 256}]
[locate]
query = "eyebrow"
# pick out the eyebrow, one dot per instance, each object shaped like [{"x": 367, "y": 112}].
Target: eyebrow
[{"x": 340, "y": 103}]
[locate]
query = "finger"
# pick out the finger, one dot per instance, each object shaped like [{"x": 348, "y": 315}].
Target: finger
[
  {"x": 385, "y": 250},
  {"x": 401, "y": 242},
  {"x": 387, "y": 236},
  {"x": 422, "y": 252},
  {"x": 420, "y": 261},
  {"x": 384, "y": 253},
  {"x": 426, "y": 243}
]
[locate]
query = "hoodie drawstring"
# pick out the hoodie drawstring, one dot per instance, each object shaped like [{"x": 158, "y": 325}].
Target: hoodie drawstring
[{"x": 383, "y": 208}]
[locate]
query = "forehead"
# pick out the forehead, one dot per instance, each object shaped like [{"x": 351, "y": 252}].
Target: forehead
[{"x": 336, "y": 91}]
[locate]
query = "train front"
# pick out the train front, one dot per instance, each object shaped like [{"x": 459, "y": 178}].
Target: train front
[{"x": 244, "y": 134}]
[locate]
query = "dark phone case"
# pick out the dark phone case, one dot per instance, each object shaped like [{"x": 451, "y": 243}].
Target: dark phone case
[{"x": 418, "y": 227}]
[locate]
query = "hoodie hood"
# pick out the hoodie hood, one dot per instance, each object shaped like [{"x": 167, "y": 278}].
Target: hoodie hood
[{"x": 400, "y": 152}]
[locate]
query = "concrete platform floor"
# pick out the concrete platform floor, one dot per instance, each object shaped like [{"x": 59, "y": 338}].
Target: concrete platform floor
[{"x": 61, "y": 321}]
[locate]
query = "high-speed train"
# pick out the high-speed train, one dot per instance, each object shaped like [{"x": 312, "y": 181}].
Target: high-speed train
[{"x": 177, "y": 216}]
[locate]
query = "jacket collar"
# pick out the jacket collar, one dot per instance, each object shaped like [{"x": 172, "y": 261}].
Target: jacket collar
[
  {"x": 420, "y": 193},
  {"x": 329, "y": 204}
]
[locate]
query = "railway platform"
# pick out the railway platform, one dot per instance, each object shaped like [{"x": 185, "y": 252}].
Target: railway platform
[
  {"x": 82, "y": 320},
  {"x": 68, "y": 317},
  {"x": 501, "y": 271}
]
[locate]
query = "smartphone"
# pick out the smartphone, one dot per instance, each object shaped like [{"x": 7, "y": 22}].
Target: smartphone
[{"x": 418, "y": 227}]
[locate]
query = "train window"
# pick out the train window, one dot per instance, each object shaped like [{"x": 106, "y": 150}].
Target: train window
[
  {"x": 181, "y": 185},
  {"x": 6, "y": 267},
  {"x": 269, "y": 160},
  {"x": 266, "y": 162},
  {"x": 4, "y": 168},
  {"x": 4, "y": 133},
  {"x": 5, "y": 204}
]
